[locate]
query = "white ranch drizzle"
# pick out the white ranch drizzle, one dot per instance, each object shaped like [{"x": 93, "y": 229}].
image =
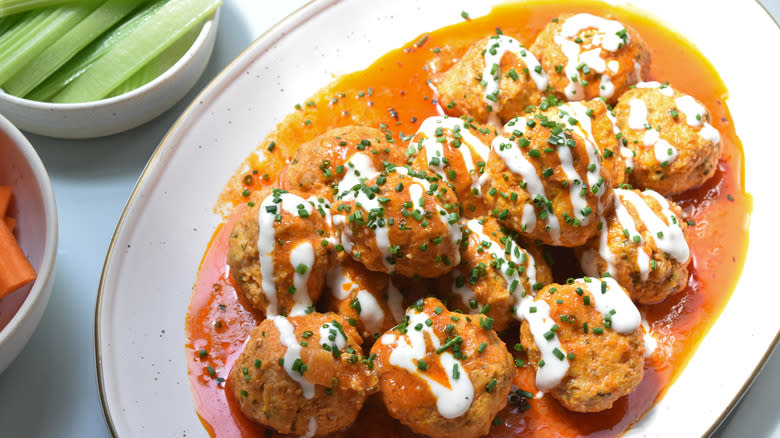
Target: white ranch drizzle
[
  {"x": 357, "y": 169},
  {"x": 529, "y": 218},
  {"x": 632, "y": 233},
  {"x": 523, "y": 264},
  {"x": 371, "y": 314},
  {"x": 662, "y": 88},
  {"x": 381, "y": 233},
  {"x": 388, "y": 339},
  {"x": 454, "y": 228},
  {"x": 495, "y": 49},
  {"x": 637, "y": 120},
  {"x": 517, "y": 163},
  {"x": 614, "y": 304},
  {"x": 288, "y": 339},
  {"x": 668, "y": 238},
  {"x": 439, "y": 110},
  {"x": 451, "y": 402},
  {"x": 301, "y": 255},
  {"x": 626, "y": 153},
  {"x": 673, "y": 241},
  {"x": 340, "y": 283},
  {"x": 584, "y": 127},
  {"x": 395, "y": 301},
  {"x": 693, "y": 110},
  {"x": 266, "y": 240},
  {"x": 332, "y": 337},
  {"x": 651, "y": 343},
  {"x": 433, "y": 149},
  {"x": 312, "y": 428},
  {"x": 606, "y": 38},
  {"x": 537, "y": 314}
]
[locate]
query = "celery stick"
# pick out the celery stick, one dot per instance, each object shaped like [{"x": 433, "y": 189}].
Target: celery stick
[
  {"x": 23, "y": 31},
  {"x": 53, "y": 57},
  {"x": 81, "y": 62},
  {"x": 62, "y": 19},
  {"x": 9, "y": 22},
  {"x": 159, "y": 65},
  {"x": 130, "y": 54},
  {"x": 9, "y": 7}
]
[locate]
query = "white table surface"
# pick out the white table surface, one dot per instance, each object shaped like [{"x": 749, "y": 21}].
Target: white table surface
[{"x": 51, "y": 389}]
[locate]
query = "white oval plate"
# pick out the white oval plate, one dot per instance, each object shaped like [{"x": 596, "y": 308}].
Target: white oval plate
[{"x": 164, "y": 231}]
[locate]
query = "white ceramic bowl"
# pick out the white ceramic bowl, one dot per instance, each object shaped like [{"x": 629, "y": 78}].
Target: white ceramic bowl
[
  {"x": 34, "y": 208},
  {"x": 119, "y": 113}
]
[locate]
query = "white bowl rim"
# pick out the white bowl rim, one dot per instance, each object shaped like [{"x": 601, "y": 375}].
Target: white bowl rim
[
  {"x": 159, "y": 81},
  {"x": 50, "y": 242}
]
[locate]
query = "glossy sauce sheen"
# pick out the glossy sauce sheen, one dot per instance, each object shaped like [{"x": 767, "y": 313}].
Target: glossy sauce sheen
[{"x": 393, "y": 91}]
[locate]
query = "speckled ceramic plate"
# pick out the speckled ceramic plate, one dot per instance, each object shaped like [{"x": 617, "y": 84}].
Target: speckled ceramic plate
[{"x": 167, "y": 224}]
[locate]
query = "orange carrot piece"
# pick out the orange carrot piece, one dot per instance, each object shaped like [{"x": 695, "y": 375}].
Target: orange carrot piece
[
  {"x": 15, "y": 269},
  {"x": 11, "y": 222},
  {"x": 5, "y": 199}
]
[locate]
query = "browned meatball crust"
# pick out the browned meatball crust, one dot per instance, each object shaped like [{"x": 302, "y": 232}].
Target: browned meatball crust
[
  {"x": 443, "y": 373},
  {"x": 302, "y": 374},
  {"x": 586, "y": 57},
  {"x": 673, "y": 144},
  {"x": 546, "y": 178},
  {"x": 456, "y": 151},
  {"x": 400, "y": 222},
  {"x": 643, "y": 245},
  {"x": 464, "y": 88},
  {"x": 495, "y": 270},
  {"x": 275, "y": 252},
  {"x": 603, "y": 363},
  {"x": 319, "y": 165}
]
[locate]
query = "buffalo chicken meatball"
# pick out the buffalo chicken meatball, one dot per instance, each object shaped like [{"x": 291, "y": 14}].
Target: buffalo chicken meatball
[
  {"x": 546, "y": 178},
  {"x": 494, "y": 80},
  {"x": 642, "y": 244},
  {"x": 400, "y": 222},
  {"x": 673, "y": 145},
  {"x": 276, "y": 255},
  {"x": 443, "y": 373},
  {"x": 586, "y": 56},
  {"x": 494, "y": 273},
  {"x": 456, "y": 151},
  {"x": 322, "y": 164},
  {"x": 585, "y": 343},
  {"x": 302, "y": 375}
]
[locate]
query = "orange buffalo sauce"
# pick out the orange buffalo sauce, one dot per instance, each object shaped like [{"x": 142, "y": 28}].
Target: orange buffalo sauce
[{"x": 393, "y": 94}]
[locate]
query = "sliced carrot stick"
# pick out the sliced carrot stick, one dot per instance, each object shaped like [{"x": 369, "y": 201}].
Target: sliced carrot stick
[
  {"x": 11, "y": 222},
  {"x": 5, "y": 199},
  {"x": 15, "y": 270}
]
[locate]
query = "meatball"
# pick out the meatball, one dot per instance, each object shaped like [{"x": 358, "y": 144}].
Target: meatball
[
  {"x": 642, "y": 244},
  {"x": 546, "y": 179},
  {"x": 495, "y": 80},
  {"x": 673, "y": 144},
  {"x": 456, "y": 151},
  {"x": 494, "y": 272},
  {"x": 302, "y": 374},
  {"x": 586, "y": 56},
  {"x": 585, "y": 343},
  {"x": 321, "y": 165},
  {"x": 275, "y": 252},
  {"x": 443, "y": 373},
  {"x": 367, "y": 298},
  {"x": 399, "y": 223}
]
